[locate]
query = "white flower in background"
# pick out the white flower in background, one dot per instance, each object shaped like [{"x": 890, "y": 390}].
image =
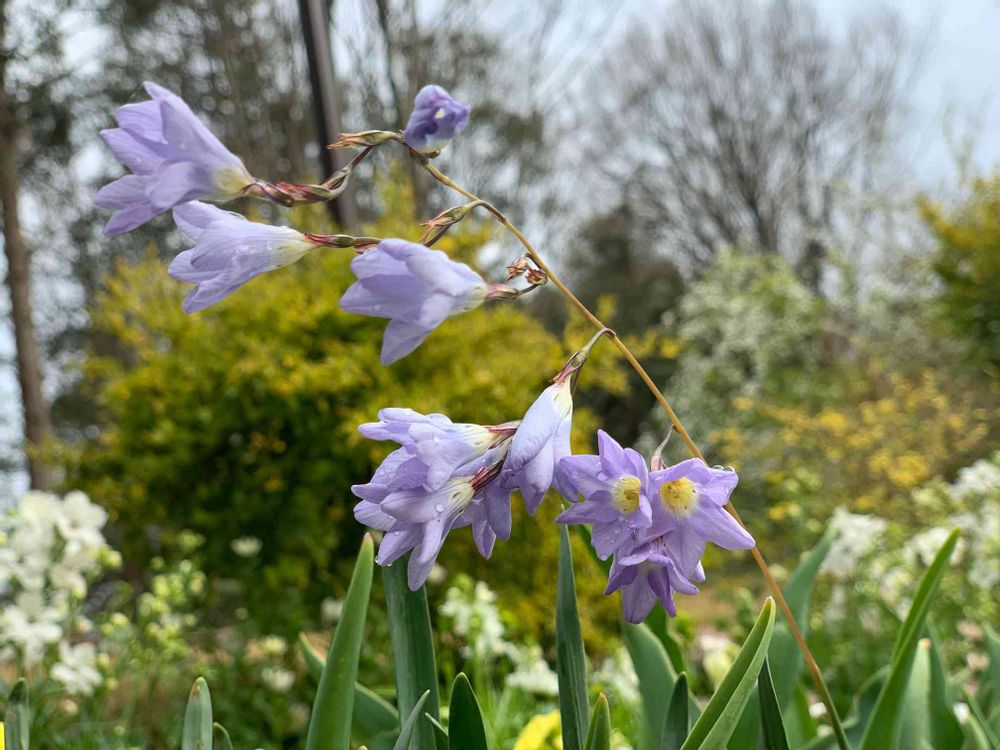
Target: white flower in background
[
  {"x": 925, "y": 545},
  {"x": 41, "y": 508},
  {"x": 982, "y": 478},
  {"x": 273, "y": 645},
  {"x": 330, "y": 610},
  {"x": 475, "y": 619},
  {"x": 80, "y": 522},
  {"x": 719, "y": 651},
  {"x": 855, "y": 534},
  {"x": 246, "y": 546},
  {"x": 532, "y": 674},
  {"x": 77, "y": 668},
  {"x": 31, "y": 625},
  {"x": 278, "y": 679},
  {"x": 618, "y": 676}
]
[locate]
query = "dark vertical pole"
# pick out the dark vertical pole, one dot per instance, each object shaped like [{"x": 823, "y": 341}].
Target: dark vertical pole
[{"x": 326, "y": 107}]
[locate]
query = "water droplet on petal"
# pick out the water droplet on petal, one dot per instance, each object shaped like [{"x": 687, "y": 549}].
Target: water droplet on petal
[{"x": 439, "y": 508}]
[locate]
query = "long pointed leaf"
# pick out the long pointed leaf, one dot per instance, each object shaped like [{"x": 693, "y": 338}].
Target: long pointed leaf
[
  {"x": 676, "y": 722},
  {"x": 945, "y": 729},
  {"x": 571, "y": 662},
  {"x": 916, "y": 729},
  {"x": 197, "y": 733},
  {"x": 656, "y": 679},
  {"x": 406, "y": 733},
  {"x": 719, "y": 719},
  {"x": 884, "y": 727},
  {"x": 412, "y": 650},
  {"x": 330, "y": 722},
  {"x": 373, "y": 715},
  {"x": 465, "y": 719},
  {"x": 771, "y": 724},
  {"x": 17, "y": 717},
  {"x": 222, "y": 741},
  {"x": 599, "y": 733}
]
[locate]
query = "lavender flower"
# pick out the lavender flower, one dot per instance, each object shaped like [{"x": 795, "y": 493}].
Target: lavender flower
[
  {"x": 435, "y": 120},
  {"x": 229, "y": 251},
  {"x": 174, "y": 159},
  {"x": 692, "y": 499},
  {"x": 416, "y": 513},
  {"x": 646, "y": 574},
  {"x": 616, "y": 491},
  {"x": 415, "y": 288},
  {"x": 539, "y": 444},
  {"x": 440, "y": 444}
]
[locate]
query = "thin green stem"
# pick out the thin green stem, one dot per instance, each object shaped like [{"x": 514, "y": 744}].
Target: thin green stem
[{"x": 811, "y": 664}]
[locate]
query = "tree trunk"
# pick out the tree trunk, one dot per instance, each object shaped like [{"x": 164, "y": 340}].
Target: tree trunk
[{"x": 37, "y": 419}]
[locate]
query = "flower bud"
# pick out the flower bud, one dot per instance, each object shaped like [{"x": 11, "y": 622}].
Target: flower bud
[{"x": 365, "y": 138}]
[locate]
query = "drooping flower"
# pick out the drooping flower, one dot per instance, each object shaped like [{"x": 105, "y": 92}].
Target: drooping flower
[
  {"x": 440, "y": 444},
  {"x": 174, "y": 159},
  {"x": 540, "y": 442},
  {"x": 435, "y": 120},
  {"x": 689, "y": 501},
  {"x": 417, "y": 515},
  {"x": 415, "y": 288},
  {"x": 229, "y": 251},
  {"x": 616, "y": 491},
  {"x": 646, "y": 574}
]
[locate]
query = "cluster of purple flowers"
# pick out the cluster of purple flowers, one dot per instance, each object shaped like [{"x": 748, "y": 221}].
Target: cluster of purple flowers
[
  {"x": 177, "y": 162},
  {"x": 654, "y": 524}
]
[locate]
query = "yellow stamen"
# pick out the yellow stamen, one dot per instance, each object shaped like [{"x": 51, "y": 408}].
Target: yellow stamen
[
  {"x": 625, "y": 494},
  {"x": 679, "y": 496}
]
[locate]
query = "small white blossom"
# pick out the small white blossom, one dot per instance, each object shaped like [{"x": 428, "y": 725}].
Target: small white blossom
[
  {"x": 533, "y": 674},
  {"x": 277, "y": 679},
  {"x": 76, "y": 668},
  {"x": 855, "y": 534},
  {"x": 246, "y": 546}
]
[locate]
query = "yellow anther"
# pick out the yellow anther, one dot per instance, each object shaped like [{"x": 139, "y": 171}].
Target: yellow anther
[
  {"x": 679, "y": 496},
  {"x": 625, "y": 493}
]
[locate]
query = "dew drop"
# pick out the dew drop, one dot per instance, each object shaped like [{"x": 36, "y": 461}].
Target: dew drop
[{"x": 439, "y": 507}]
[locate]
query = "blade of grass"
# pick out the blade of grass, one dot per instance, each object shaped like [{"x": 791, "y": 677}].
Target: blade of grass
[{"x": 571, "y": 662}]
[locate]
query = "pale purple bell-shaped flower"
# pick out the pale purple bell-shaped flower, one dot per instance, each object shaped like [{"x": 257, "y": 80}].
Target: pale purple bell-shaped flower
[
  {"x": 416, "y": 518},
  {"x": 435, "y": 120},
  {"x": 229, "y": 251},
  {"x": 174, "y": 159},
  {"x": 689, "y": 501},
  {"x": 442, "y": 445},
  {"x": 615, "y": 488},
  {"x": 415, "y": 288},
  {"x": 646, "y": 574},
  {"x": 540, "y": 442}
]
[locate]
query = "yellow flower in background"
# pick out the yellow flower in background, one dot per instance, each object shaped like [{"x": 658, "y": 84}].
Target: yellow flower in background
[{"x": 541, "y": 733}]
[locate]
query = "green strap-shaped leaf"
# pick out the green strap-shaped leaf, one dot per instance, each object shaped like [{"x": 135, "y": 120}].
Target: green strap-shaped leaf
[
  {"x": 993, "y": 649},
  {"x": 656, "y": 679},
  {"x": 333, "y": 707},
  {"x": 658, "y": 623},
  {"x": 884, "y": 726},
  {"x": 784, "y": 650},
  {"x": 571, "y": 662},
  {"x": 800, "y": 726},
  {"x": 440, "y": 733},
  {"x": 772, "y": 726},
  {"x": 977, "y": 715},
  {"x": 373, "y": 715},
  {"x": 599, "y": 733},
  {"x": 17, "y": 717},
  {"x": 465, "y": 719},
  {"x": 222, "y": 741},
  {"x": 916, "y": 730},
  {"x": 412, "y": 650},
  {"x": 676, "y": 721},
  {"x": 198, "y": 718},
  {"x": 719, "y": 719},
  {"x": 406, "y": 733},
  {"x": 945, "y": 729}
]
